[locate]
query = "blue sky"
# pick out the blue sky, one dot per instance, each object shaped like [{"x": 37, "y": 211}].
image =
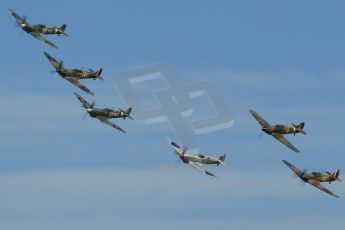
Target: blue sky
[{"x": 60, "y": 171}]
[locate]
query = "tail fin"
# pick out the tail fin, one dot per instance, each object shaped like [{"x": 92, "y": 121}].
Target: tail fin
[
  {"x": 129, "y": 110},
  {"x": 98, "y": 74},
  {"x": 336, "y": 174},
  {"x": 301, "y": 125},
  {"x": 62, "y": 30},
  {"x": 222, "y": 158},
  {"x": 63, "y": 27}
]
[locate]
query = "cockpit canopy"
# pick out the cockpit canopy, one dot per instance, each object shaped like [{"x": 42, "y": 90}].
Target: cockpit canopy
[
  {"x": 41, "y": 25},
  {"x": 201, "y": 156},
  {"x": 77, "y": 70},
  {"x": 108, "y": 110}
]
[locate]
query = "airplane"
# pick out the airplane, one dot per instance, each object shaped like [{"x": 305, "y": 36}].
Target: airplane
[
  {"x": 74, "y": 75},
  {"x": 197, "y": 161},
  {"x": 277, "y": 131},
  {"x": 315, "y": 178},
  {"x": 105, "y": 114},
  {"x": 37, "y": 30}
]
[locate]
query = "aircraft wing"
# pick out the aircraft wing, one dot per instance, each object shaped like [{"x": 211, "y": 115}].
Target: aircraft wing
[
  {"x": 52, "y": 61},
  {"x": 283, "y": 140},
  {"x": 106, "y": 121},
  {"x": 293, "y": 168},
  {"x": 78, "y": 84},
  {"x": 18, "y": 19},
  {"x": 319, "y": 186},
  {"x": 83, "y": 102},
  {"x": 262, "y": 122},
  {"x": 200, "y": 168},
  {"x": 40, "y": 37}
]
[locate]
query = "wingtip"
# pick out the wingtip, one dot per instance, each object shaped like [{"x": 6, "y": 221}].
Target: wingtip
[{"x": 286, "y": 162}]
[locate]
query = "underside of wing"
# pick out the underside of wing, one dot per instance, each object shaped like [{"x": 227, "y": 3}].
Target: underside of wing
[
  {"x": 201, "y": 169},
  {"x": 283, "y": 140},
  {"x": 52, "y": 60},
  {"x": 18, "y": 19},
  {"x": 293, "y": 168},
  {"x": 262, "y": 122},
  {"x": 40, "y": 37},
  {"x": 106, "y": 121},
  {"x": 83, "y": 102},
  {"x": 319, "y": 186},
  {"x": 79, "y": 85}
]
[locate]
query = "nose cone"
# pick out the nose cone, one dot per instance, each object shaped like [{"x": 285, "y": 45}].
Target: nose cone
[{"x": 266, "y": 130}]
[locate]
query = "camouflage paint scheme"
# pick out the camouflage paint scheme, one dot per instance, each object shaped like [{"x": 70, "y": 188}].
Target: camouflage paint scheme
[
  {"x": 315, "y": 178},
  {"x": 37, "y": 30},
  {"x": 74, "y": 75},
  {"x": 105, "y": 114},
  {"x": 277, "y": 131}
]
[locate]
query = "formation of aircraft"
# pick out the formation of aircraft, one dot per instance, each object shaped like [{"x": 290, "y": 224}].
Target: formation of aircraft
[
  {"x": 278, "y": 131},
  {"x": 197, "y": 161},
  {"x": 74, "y": 75},
  {"x": 315, "y": 178},
  {"x": 105, "y": 114},
  {"x": 38, "y": 30}
]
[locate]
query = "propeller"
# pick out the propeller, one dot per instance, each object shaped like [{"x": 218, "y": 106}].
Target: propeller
[
  {"x": 85, "y": 115},
  {"x": 23, "y": 21},
  {"x": 178, "y": 161},
  {"x": 60, "y": 65},
  {"x": 261, "y": 134},
  {"x": 125, "y": 114},
  {"x": 91, "y": 107},
  {"x": 304, "y": 171},
  {"x": 58, "y": 69},
  {"x": 184, "y": 149}
]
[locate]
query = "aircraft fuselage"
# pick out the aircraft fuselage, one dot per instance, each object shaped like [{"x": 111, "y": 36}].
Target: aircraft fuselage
[
  {"x": 280, "y": 129},
  {"x": 76, "y": 73},
  {"x": 318, "y": 176},
  {"x": 108, "y": 113},
  {"x": 203, "y": 160}
]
